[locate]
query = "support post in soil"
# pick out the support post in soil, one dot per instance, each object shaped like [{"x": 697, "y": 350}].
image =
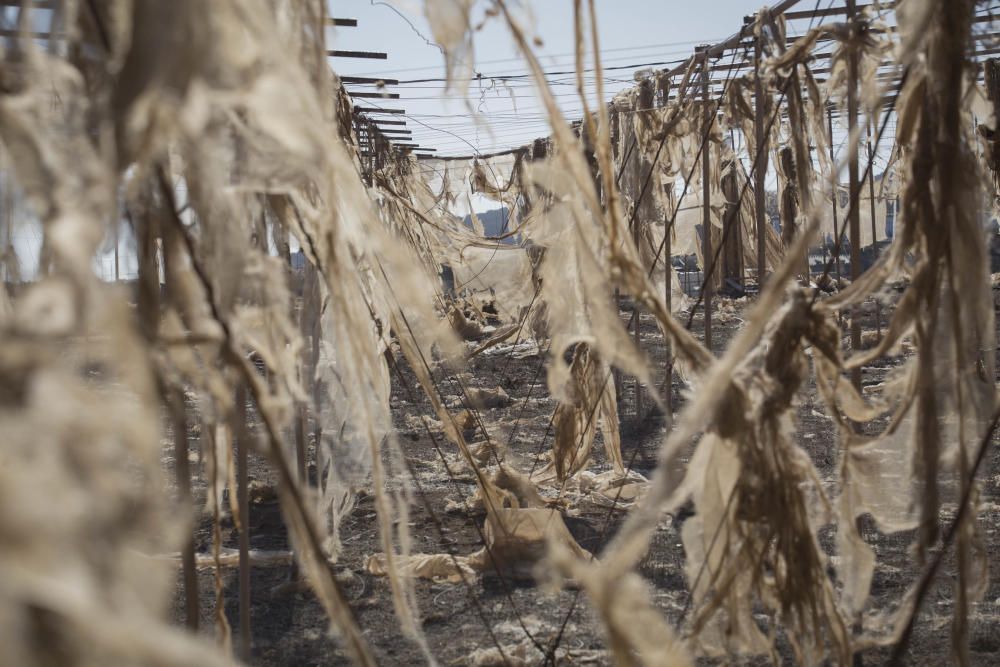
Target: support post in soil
[
  {"x": 118, "y": 225},
  {"x": 182, "y": 471},
  {"x": 760, "y": 165},
  {"x": 834, "y": 199},
  {"x": 789, "y": 209},
  {"x": 871, "y": 197},
  {"x": 668, "y": 300},
  {"x": 243, "y": 500},
  {"x": 643, "y": 211},
  {"x": 854, "y": 219},
  {"x": 616, "y": 375},
  {"x": 706, "y": 221},
  {"x": 300, "y": 442},
  {"x": 668, "y": 291},
  {"x": 991, "y": 80}
]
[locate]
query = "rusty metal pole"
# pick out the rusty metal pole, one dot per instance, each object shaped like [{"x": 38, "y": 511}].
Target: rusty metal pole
[
  {"x": 759, "y": 165},
  {"x": 834, "y": 199},
  {"x": 668, "y": 300},
  {"x": 644, "y": 209},
  {"x": 616, "y": 374},
  {"x": 854, "y": 183},
  {"x": 301, "y": 419},
  {"x": 118, "y": 224},
  {"x": 871, "y": 196},
  {"x": 182, "y": 471},
  {"x": 706, "y": 222},
  {"x": 243, "y": 501}
]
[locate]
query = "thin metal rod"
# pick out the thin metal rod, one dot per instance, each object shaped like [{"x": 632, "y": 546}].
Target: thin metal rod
[
  {"x": 834, "y": 199},
  {"x": 760, "y": 174},
  {"x": 243, "y": 500},
  {"x": 642, "y": 218},
  {"x": 854, "y": 217},
  {"x": 118, "y": 224},
  {"x": 871, "y": 197},
  {"x": 706, "y": 222},
  {"x": 668, "y": 300},
  {"x": 182, "y": 471}
]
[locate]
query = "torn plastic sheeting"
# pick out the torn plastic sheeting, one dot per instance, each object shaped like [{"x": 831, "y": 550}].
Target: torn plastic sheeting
[{"x": 516, "y": 540}]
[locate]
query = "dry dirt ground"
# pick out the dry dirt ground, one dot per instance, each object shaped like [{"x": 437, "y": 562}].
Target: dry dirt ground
[{"x": 290, "y": 628}]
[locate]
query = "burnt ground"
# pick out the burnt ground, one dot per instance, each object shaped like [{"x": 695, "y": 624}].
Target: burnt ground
[{"x": 290, "y": 628}]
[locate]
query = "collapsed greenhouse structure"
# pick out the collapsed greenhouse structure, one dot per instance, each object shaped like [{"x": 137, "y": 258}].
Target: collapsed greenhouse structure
[{"x": 289, "y": 441}]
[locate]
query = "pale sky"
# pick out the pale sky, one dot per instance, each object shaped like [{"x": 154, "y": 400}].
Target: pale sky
[{"x": 631, "y": 32}]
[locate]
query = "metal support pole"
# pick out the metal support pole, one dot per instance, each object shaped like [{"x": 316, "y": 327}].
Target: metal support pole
[
  {"x": 668, "y": 300},
  {"x": 243, "y": 500},
  {"x": 616, "y": 374},
  {"x": 643, "y": 217},
  {"x": 668, "y": 283},
  {"x": 759, "y": 165},
  {"x": 736, "y": 237},
  {"x": 871, "y": 196},
  {"x": 182, "y": 471},
  {"x": 854, "y": 183},
  {"x": 301, "y": 419},
  {"x": 836, "y": 195},
  {"x": 706, "y": 221},
  {"x": 118, "y": 224},
  {"x": 7, "y": 211}
]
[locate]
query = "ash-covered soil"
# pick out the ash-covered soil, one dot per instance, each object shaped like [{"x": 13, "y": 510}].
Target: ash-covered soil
[{"x": 290, "y": 628}]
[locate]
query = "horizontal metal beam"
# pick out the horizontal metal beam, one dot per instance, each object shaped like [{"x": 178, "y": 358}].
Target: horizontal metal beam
[
  {"x": 386, "y": 130},
  {"x": 343, "y": 23},
  {"x": 373, "y": 96},
  {"x": 482, "y": 156},
  {"x": 371, "y": 110},
  {"x": 821, "y": 13},
  {"x": 373, "y": 55},
  {"x": 732, "y": 66},
  {"x": 368, "y": 79},
  {"x": 819, "y": 40},
  {"x": 379, "y": 121}
]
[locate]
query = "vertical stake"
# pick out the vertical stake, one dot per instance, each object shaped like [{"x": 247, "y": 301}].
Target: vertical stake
[
  {"x": 835, "y": 200},
  {"x": 668, "y": 300},
  {"x": 645, "y": 102},
  {"x": 615, "y": 373},
  {"x": 871, "y": 196},
  {"x": 740, "y": 269},
  {"x": 182, "y": 471},
  {"x": 668, "y": 266},
  {"x": 300, "y": 442},
  {"x": 855, "y": 186},
  {"x": 668, "y": 284},
  {"x": 706, "y": 221},
  {"x": 118, "y": 224},
  {"x": 243, "y": 500},
  {"x": 759, "y": 165}
]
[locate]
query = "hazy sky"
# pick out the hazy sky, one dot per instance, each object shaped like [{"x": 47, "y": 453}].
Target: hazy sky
[{"x": 632, "y": 32}]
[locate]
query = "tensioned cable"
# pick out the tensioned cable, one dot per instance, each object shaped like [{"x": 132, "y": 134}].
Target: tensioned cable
[{"x": 543, "y": 57}]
